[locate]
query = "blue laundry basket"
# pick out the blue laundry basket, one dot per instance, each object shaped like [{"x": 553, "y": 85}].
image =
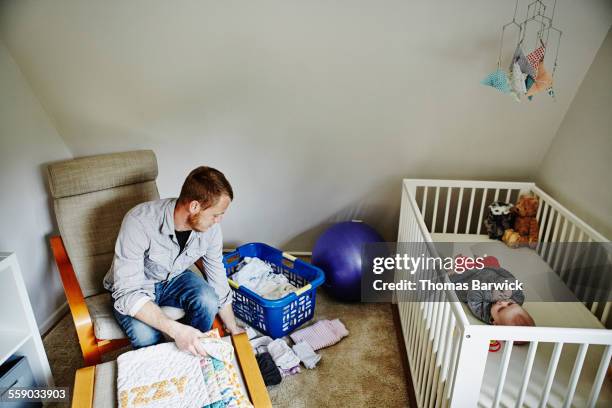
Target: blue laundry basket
[{"x": 278, "y": 317}]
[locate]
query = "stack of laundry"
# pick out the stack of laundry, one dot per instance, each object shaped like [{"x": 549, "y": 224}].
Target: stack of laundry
[
  {"x": 276, "y": 359},
  {"x": 259, "y": 277}
]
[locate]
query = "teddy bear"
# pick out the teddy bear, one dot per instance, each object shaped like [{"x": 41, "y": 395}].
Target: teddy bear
[
  {"x": 500, "y": 217},
  {"x": 525, "y": 229}
]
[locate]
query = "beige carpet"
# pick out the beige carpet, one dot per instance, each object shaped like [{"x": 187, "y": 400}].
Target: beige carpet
[{"x": 362, "y": 370}]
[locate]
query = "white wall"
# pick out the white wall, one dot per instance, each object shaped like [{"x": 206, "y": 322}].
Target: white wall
[
  {"x": 314, "y": 109},
  {"x": 577, "y": 168},
  {"x": 28, "y": 140}
]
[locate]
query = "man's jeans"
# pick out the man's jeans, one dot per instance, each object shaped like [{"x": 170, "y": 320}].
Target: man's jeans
[{"x": 187, "y": 291}]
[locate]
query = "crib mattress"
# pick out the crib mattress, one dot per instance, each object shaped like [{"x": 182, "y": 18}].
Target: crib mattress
[{"x": 539, "y": 281}]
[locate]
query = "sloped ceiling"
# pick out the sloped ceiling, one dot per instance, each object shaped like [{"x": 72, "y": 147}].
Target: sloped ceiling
[{"x": 314, "y": 109}]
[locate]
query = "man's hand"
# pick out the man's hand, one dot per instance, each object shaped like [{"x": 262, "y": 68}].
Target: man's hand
[
  {"x": 235, "y": 330},
  {"x": 187, "y": 338},
  {"x": 227, "y": 315}
]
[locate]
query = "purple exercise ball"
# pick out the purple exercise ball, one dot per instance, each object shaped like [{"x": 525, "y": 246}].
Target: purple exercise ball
[{"x": 338, "y": 253}]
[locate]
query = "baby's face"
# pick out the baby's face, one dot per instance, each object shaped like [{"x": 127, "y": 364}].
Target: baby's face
[{"x": 503, "y": 312}]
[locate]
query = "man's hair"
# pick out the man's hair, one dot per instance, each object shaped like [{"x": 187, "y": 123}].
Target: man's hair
[{"x": 205, "y": 185}]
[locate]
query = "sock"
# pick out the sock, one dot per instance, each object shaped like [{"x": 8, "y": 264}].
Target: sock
[
  {"x": 283, "y": 356},
  {"x": 306, "y": 354},
  {"x": 269, "y": 371}
]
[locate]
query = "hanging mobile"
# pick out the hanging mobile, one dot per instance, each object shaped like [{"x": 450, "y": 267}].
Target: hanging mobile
[{"x": 527, "y": 75}]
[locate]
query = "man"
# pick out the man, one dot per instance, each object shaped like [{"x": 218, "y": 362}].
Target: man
[{"x": 157, "y": 243}]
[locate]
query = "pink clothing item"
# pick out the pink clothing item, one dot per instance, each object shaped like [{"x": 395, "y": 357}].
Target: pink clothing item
[{"x": 323, "y": 333}]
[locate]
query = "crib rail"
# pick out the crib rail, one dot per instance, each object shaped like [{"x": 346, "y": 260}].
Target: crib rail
[
  {"x": 447, "y": 356},
  {"x": 597, "y": 341},
  {"x": 558, "y": 226},
  {"x": 432, "y": 330},
  {"x": 457, "y": 206}
]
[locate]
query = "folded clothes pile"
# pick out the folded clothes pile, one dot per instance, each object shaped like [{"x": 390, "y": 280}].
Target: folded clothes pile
[
  {"x": 259, "y": 277},
  {"x": 287, "y": 359}
]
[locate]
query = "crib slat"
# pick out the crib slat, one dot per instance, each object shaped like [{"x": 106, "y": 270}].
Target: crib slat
[
  {"x": 469, "y": 217},
  {"x": 549, "y": 227},
  {"x": 606, "y": 313},
  {"x": 448, "y": 347},
  {"x": 599, "y": 377},
  {"x": 550, "y": 374},
  {"x": 496, "y": 194},
  {"x": 459, "y": 202},
  {"x": 438, "y": 324},
  {"x": 453, "y": 366},
  {"x": 508, "y": 195},
  {"x": 430, "y": 376},
  {"x": 481, "y": 214},
  {"x": 554, "y": 247},
  {"x": 543, "y": 223},
  {"x": 426, "y": 374},
  {"x": 443, "y": 333},
  {"x": 571, "y": 389},
  {"x": 419, "y": 350},
  {"x": 435, "y": 213},
  {"x": 594, "y": 281},
  {"x": 449, "y": 190},
  {"x": 424, "y": 202},
  {"x": 583, "y": 265},
  {"x": 575, "y": 261},
  {"x": 539, "y": 212},
  {"x": 533, "y": 346},
  {"x": 570, "y": 240},
  {"x": 562, "y": 245},
  {"x": 426, "y": 351},
  {"x": 503, "y": 369}
]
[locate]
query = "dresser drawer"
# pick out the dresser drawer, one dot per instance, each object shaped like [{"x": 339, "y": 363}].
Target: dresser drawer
[{"x": 16, "y": 373}]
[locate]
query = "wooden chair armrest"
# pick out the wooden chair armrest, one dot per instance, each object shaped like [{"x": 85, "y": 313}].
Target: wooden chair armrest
[
  {"x": 250, "y": 372},
  {"x": 76, "y": 302},
  {"x": 84, "y": 379}
]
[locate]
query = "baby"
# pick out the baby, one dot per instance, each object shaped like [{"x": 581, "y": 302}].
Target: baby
[{"x": 499, "y": 307}]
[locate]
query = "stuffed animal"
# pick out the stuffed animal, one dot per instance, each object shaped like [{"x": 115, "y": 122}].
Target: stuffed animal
[
  {"x": 499, "y": 219},
  {"x": 525, "y": 228}
]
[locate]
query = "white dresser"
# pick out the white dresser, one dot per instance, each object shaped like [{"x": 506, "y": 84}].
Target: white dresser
[{"x": 19, "y": 335}]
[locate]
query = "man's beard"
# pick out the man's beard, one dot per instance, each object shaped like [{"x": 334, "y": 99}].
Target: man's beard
[{"x": 193, "y": 221}]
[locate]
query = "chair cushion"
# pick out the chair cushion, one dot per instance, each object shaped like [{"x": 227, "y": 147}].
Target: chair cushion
[
  {"x": 91, "y": 196},
  {"x": 89, "y": 225},
  {"x": 104, "y": 322},
  {"x": 101, "y": 172}
]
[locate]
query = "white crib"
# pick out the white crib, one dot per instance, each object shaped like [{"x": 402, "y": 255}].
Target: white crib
[{"x": 448, "y": 352}]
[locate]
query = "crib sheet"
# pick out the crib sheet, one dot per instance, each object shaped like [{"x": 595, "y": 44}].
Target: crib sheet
[{"x": 539, "y": 278}]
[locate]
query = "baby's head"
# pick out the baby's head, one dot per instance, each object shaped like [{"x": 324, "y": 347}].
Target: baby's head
[{"x": 508, "y": 313}]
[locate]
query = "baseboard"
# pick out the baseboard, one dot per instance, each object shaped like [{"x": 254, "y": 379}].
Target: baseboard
[{"x": 53, "y": 319}]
